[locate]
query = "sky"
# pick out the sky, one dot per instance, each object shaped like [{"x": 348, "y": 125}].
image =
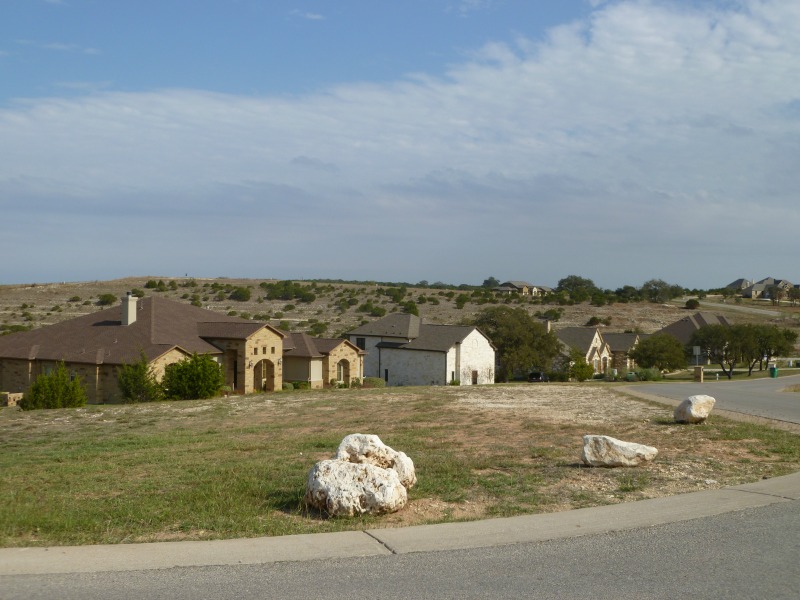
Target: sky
[{"x": 438, "y": 140}]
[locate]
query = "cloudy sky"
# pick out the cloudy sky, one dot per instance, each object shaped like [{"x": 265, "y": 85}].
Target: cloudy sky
[{"x": 445, "y": 140}]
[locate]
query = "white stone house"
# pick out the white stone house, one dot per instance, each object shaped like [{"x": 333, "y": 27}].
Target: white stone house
[{"x": 402, "y": 350}]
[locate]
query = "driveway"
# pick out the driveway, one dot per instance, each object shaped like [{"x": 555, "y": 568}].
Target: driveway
[{"x": 759, "y": 397}]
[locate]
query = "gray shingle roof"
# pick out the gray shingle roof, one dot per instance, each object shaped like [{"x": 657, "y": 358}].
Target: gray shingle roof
[
  {"x": 399, "y": 325},
  {"x": 684, "y": 328},
  {"x": 577, "y": 337},
  {"x": 100, "y": 337}
]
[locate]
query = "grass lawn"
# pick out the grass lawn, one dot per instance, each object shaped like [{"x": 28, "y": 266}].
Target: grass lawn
[{"x": 237, "y": 467}]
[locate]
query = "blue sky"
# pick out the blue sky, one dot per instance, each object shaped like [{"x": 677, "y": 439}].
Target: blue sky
[{"x": 446, "y": 140}]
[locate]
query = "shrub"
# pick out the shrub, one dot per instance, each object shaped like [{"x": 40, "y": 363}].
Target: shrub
[
  {"x": 288, "y": 387},
  {"x": 54, "y": 390},
  {"x": 106, "y": 299},
  {"x": 197, "y": 376},
  {"x": 593, "y": 321},
  {"x": 692, "y": 304},
  {"x": 455, "y": 382},
  {"x": 651, "y": 374},
  {"x": 374, "y": 382},
  {"x": 558, "y": 376},
  {"x": 240, "y": 294},
  {"x": 138, "y": 382}
]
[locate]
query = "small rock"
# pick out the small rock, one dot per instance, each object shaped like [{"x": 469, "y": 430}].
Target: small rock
[
  {"x": 695, "y": 409},
  {"x": 606, "y": 451}
]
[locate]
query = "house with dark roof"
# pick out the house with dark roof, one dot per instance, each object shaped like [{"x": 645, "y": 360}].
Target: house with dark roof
[
  {"x": 620, "y": 346},
  {"x": 522, "y": 288},
  {"x": 402, "y": 350},
  {"x": 94, "y": 346},
  {"x": 320, "y": 362},
  {"x": 684, "y": 328},
  {"x": 589, "y": 342}
]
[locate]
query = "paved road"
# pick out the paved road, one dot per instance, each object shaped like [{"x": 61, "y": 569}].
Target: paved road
[
  {"x": 746, "y": 554},
  {"x": 759, "y": 397},
  {"x": 739, "y": 542}
]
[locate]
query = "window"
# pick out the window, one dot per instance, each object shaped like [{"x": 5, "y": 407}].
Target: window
[
  {"x": 255, "y": 350},
  {"x": 264, "y": 350},
  {"x": 386, "y": 375},
  {"x": 273, "y": 349},
  {"x": 361, "y": 343}
]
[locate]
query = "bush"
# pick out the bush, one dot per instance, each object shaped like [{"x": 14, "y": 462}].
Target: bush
[
  {"x": 651, "y": 374},
  {"x": 106, "y": 299},
  {"x": 197, "y": 376},
  {"x": 558, "y": 376},
  {"x": 54, "y": 390},
  {"x": 240, "y": 294},
  {"x": 374, "y": 382},
  {"x": 692, "y": 304},
  {"x": 287, "y": 387},
  {"x": 138, "y": 383}
]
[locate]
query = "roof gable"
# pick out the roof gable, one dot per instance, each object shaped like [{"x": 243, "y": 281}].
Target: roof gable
[{"x": 396, "y": 325}]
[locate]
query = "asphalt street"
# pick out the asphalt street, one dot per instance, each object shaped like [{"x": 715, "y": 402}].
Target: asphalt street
[{"x": 759, "y": 397}]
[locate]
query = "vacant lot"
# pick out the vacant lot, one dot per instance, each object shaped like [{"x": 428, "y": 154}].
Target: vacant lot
[{"x": 236, "y": 467}]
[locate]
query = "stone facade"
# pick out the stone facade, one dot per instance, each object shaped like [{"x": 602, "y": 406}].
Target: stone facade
[{"x": 343, "y": 365}]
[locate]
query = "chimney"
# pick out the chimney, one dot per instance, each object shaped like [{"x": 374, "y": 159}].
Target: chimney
[{"x": 129, "y": 310}]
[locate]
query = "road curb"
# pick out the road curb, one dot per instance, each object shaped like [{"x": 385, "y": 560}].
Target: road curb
[{"x": 384, "y": 542}]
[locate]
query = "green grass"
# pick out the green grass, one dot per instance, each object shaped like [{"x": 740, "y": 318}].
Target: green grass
[{"x": 237, "y": 467}]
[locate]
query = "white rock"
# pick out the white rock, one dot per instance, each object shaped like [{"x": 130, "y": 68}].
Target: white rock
[
  {"x": 342, "y": 488},
  {"x": 695, "y": 409},
  {"x": 606, "y": 451},
  {"x": 363, "y": 448}
]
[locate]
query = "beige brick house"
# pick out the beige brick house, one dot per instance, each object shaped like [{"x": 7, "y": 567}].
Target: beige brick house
[
  {"x": 322, "y": 361},
  {"x": 94, "y": 346}
]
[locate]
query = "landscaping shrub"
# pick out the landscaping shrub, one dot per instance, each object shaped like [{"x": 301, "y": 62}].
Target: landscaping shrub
[
  {"x": 287, "y": 387},
  {"x": 54, "y": 390},
  {"x": 374, "y": 382},
  {"x": 197, "y": 376},
  {"x": 692, "y": 304},
  {"x": 651, "y": 374},
  {"x": 138, "y": 382}
]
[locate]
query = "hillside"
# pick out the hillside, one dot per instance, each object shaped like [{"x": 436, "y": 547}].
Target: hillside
[{"x": 329, "y": 309}]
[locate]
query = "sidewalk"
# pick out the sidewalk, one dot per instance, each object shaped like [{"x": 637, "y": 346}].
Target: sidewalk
[{"x": 424, "y": 538}]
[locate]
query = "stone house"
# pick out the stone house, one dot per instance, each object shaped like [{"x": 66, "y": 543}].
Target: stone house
[
  {"x": 94, "y": 346},
  {"x": 523, "y": 288},
  {"x": 590, "y": 342},
  {"x": 685, "y": 327},
  {"x": 321, "y": 361},
  {"x": 402, "y": 350},
  {"x": 620, "y": 346}
]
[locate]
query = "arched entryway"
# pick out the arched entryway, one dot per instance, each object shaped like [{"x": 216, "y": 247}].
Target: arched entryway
[
  {"x": 264, "y": 376},
  {"x": 343, "y": 371}
]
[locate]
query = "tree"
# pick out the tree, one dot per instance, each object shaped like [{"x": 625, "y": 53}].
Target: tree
[
  {"x": 692, "y": 304},
  {"x": 521, "y": 340},
  {"x": 197, "y": 376},
  {"x": 240, "y": 294},
  {"x": 579, "y": 369},
  {"x": 490, "y": 282},
  {"x": 772, "y": 342},
  {"x": 720, "y": 345},
  {"x": 56, "y": 389},
  {"x": 578, "y": 288},
  {"x": 658, "y": 290},
  {"x": 138, "y": 383},
  {"x": 662, "y": 351}
]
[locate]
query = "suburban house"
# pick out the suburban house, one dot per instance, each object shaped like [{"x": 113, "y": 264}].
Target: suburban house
[
  {"x": 94, "y": 346},
  {"x": 620, "y": 345},
  {"x": 589, "y": 342},
  {"x": 684, "y": 328},
  {"x": 523, "y": 288},
  {"x": 321, "y": 361},
  {"x": 403, "y": 350}
]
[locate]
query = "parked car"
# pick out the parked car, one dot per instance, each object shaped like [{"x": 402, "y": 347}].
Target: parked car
[{"x": 537, "y": 376}]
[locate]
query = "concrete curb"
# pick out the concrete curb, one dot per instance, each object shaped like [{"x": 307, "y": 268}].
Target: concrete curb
[{"x": 383, "y": 542}]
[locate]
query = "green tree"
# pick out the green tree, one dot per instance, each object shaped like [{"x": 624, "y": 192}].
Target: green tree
[
  {"x": 490, "y": 282},
  {"x": 692, "y": 304},
  {"x": 56, "y": 389},
  {"x": 197, "y": 376},
  {"x": 240, "y": 294},
  {"x": 658, "y": 290},
  {"x": 138, "y": 383},
  {"x": 579, "y": 369},
  {"x": 521, "y": 340},
  {"x": 578, "y": 288},
  {"x": 720, "y": 345},
  {"x": 662, "y": 351}
]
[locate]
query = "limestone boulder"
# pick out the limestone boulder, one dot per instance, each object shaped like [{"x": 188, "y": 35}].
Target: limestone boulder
[
  {"x": 695, "y": 409},
  {"x": 360, "y": 448},
  {"x": 606, "y": 451},
  {"x": 342, "y": 488}
]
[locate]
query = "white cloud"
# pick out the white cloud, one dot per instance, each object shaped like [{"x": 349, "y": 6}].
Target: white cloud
[
  {"x": 619, "y": 148},
  {"x": 308, "y": 15}
]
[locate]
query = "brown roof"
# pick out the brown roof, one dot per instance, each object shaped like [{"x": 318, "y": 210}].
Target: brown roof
[
  {"x": 684, "y": 328},
  {"x": 302, "y": 344},
  {"x": 100, "y": 337},
  {"x": 399, "y": 325}
]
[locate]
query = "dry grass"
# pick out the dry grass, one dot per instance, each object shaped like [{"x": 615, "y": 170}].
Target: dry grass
[{"x": 236, "y": 467}]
